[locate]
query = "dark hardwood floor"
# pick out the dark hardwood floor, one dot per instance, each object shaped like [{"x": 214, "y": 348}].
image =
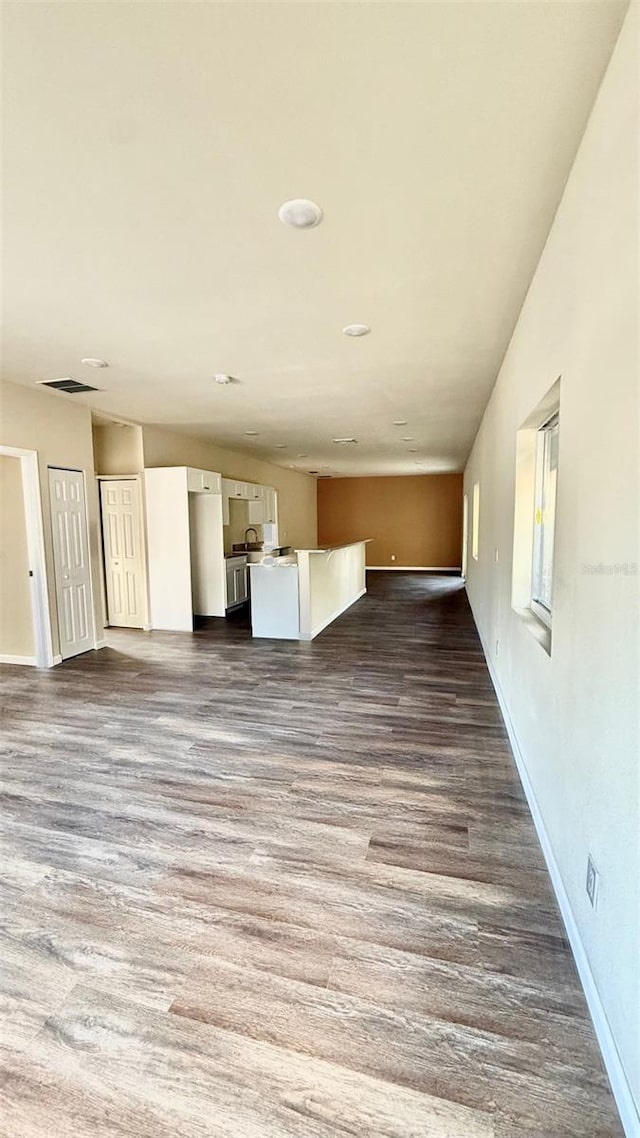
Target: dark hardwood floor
[{"x": 257, "y": 889}]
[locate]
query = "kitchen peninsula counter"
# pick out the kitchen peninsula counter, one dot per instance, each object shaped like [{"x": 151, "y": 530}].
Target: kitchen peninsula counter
[{"x": 296, "y": 602}]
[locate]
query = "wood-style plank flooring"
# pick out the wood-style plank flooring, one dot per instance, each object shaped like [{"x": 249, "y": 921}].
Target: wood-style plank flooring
[{"x": 256, "y": 889}]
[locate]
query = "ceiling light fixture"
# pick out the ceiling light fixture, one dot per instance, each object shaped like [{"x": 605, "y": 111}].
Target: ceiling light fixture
[
  {"x": 221, "y": 377},
  {"x": 93, "y": 361},
  {"x": 301, "y": 456},
  {"x": 399, "y": 422},
  {"x": 300, "y": 213},
  {"x": 356, "y": 330},
  {"x": 344, "y": 441},
  {"x": 251, "y": 432},
  {"x": 407, "y": 439},
  {"x": 281, "y": 446}
]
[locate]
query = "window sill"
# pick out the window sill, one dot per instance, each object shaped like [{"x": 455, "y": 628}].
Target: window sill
[{"x": 536, "y": 627}]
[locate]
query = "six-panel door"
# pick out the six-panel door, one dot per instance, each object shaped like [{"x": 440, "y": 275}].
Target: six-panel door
[
  {"x": 123, "y": 562},
  {"x": 71, "y": 561}
]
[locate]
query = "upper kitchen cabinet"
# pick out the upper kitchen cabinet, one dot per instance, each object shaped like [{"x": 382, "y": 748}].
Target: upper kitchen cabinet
[
  {"x": 261, "y": 500},
  {"x": 203, "y": 481},
  {"x": 263, "y": 506},
  {"x": 234, "y": 489}
]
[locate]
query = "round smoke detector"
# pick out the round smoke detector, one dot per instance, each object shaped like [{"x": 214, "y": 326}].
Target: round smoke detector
[
  {"x": 300, "y": 213},
  {"x": 356, "y": 330}
]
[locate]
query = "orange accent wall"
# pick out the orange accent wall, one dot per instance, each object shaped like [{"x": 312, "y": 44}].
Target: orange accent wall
[{"x": 419, "y": 518}]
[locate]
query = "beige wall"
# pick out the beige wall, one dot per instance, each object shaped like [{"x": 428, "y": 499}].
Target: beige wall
[
  {"x": 417, "y": 518},
  {"x": 117, "y": 448},
  {"x": 16, "y": 624},
  {"x": 575, "y": 712},
  {"x": 60, "y": 431},
  {"x": 297, "y": 503}
]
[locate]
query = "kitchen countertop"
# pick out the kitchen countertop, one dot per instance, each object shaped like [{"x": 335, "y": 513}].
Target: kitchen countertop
[{"x": 333, "y": 548}]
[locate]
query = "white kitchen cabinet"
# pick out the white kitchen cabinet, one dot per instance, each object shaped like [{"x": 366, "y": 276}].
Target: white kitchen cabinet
[
  {"x": 270, "y": 504},
  {"x": 234, "y": 489},
  {"x": 261, "y": 500},
  {"x": 237, "y": 581},
  {"x": 256, "y": 512},
  {"x": 203, "y": 481}
]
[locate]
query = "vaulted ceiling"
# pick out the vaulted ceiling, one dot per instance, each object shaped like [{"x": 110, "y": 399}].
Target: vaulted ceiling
[{"x": 148, "y": 147}]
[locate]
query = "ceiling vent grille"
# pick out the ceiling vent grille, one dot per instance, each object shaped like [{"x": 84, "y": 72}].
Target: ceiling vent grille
[{"x": 68, "y": 385}]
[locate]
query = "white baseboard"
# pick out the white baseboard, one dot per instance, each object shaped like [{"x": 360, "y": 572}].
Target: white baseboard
[
  {"x": 100, "y": 644},
  {"x": 334, "y": 616},
  {"x": 611, "y": 1057},
  {"x": 31, "y": 660},
  {"x": 417, "y": 568},
  {"x": 56, "y": 660}
]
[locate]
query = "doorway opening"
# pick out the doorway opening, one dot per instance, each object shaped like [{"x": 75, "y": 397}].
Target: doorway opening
[{"x": 23, "y": 540}]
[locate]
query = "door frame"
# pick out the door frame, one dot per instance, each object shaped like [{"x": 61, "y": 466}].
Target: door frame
[
  {"x": 40, "y": 610},
  {"x": 139, "y": 480}
]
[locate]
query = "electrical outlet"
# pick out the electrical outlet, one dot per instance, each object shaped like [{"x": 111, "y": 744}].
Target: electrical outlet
[
  {"x": 592, "y": 882},
  {"x": 393, "y": 556}
]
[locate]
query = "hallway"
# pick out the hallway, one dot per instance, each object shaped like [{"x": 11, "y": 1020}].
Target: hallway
[{"x": 260, "y": 889}]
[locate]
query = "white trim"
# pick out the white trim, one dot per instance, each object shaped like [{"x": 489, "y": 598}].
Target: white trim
[
  {"x": 611, "y": 1057},
  {"x": 41, "y": 616},
  {"x": 57, "y": 659},
  {"x": 18, "y": 660},
  {"x": 100, "y": 644},
  {"x": 417, "y": 568},
  {"x": 334, "y": 616}
]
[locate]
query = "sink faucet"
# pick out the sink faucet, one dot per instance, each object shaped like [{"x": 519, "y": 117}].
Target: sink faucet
[{"x": 253, "y": 530}]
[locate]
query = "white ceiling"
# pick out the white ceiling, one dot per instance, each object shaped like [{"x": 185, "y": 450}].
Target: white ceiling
[{"x": 148, "y": 147}]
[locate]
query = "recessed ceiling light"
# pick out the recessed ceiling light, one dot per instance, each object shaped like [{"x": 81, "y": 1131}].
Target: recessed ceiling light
[
  {"x": 300, "y": 213},
  {"x": 281, "y": 446},
  {"x": 251, "y": 432},
  {"x": 412, "y": 450},
  {"x": 301, "y": 456},
  {"x": 399, "y": 422},
  {"x": 356, "y": 330},
  {"x": 407, "y": 438},
  {"x": 344, "y": 440},
  {"x": 221, "y": 377},
  {"x": 93, "y": 361}
]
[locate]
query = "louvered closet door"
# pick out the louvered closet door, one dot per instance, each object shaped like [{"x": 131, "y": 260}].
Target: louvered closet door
[
  {"x": 123, "y": 565},
  {"x": 71, "y": 561}
]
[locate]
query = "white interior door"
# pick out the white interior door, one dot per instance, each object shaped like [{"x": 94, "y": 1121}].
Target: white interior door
[
  {"x": 123, "y": 557},
  {"x": 71, "y": 561}
]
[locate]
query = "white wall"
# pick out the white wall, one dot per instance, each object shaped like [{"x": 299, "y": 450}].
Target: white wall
[{"x": 575, "y": 713}]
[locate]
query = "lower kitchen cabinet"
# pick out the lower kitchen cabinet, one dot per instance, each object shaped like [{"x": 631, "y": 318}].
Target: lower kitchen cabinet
[{"x": 237, "y": 577}]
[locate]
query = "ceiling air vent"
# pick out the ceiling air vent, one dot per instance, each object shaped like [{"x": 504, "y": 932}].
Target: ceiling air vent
[{"x": 71, "y": 386}]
